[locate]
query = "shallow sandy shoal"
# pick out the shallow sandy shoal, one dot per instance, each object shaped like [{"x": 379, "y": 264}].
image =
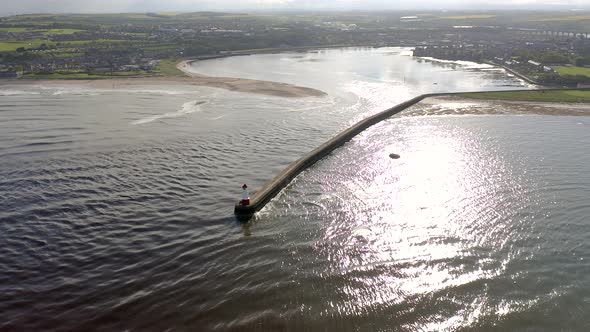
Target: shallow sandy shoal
[
  {"x": 228, "y": 83},
  {"x": 455, "y": 105}
]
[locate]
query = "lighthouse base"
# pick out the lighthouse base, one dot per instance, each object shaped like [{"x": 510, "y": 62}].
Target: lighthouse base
[{"x": 244, "y": 212}]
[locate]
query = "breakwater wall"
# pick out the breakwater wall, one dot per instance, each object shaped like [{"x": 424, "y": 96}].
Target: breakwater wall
[{"x": 272, "y": 188}]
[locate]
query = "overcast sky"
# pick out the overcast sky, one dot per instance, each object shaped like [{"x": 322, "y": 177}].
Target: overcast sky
[{"x": 9, "y": 7}]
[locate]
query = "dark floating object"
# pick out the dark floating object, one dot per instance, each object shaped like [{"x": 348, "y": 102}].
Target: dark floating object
[{"x": 394, "y": 156}]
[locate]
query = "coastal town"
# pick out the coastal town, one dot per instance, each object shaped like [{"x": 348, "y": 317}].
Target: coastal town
[
  {"x": 139, "y": 45},
  {"x": 295, "y": 165}
]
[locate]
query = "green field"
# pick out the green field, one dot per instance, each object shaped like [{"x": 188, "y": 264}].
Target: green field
[
  {"x": 168, "y": 68},
  {"x": 61, "y": 31},
  {"x": 160, "y": 47},
  {"x": 563, "y": 18},
  {"x": 65, "y": 54},
  {"x": 16, "y": 30},
  {"x": 573, "y": 71},
  {"x": 46, "y": 32},
  {"x": 563, "y": 96},
  {"x": 97, "y": 41},
  {"x": 467, "y": 17},
  {"x": 11, "y": 46}
]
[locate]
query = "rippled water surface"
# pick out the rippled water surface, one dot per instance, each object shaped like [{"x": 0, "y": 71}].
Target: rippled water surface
[{"x": 116, "y": 205}]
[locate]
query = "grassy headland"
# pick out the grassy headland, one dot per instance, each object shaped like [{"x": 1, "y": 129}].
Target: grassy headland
[
  {"x": 11, "y": 45},
  {"x": 168, "y": 68},
  {"x": 555, "y": 96},
  {"x": 573, "y": 71}
]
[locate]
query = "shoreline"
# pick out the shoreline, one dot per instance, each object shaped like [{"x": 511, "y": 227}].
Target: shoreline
[
  {"x": 458, "y": 105},
  {"x": 517, "y": 74},
  {"x": 421, "y": 105},
  {"x": 269, "y": 88}
]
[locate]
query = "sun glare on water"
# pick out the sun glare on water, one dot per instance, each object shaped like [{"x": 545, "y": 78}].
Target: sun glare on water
[{"x": 415, "y": 227}]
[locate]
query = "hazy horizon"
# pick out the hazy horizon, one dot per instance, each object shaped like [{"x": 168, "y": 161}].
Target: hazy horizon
[{"x": 135, "y": 6}]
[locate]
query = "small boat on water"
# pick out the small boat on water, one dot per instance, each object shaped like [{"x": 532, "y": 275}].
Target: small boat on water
[{"x": 394, "y": 156}]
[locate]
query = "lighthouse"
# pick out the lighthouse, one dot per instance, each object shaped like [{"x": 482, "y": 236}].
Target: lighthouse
[{"x": 245, "y": 196}]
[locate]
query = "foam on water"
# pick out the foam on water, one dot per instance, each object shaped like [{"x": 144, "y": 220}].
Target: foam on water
[
  {"x": 187, "y": 108},
  {"x": 90, "y": 91},
  {"x": 67, "y": 90},
  {"x": 10, "y": 92},
  {"x": 154, "y": 91}
]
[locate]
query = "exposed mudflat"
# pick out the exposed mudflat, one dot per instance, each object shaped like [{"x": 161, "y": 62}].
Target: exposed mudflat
[{"x": 455, "y": 105}]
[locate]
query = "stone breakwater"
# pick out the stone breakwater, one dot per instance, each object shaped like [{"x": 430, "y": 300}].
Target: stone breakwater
[{"x": 272, "y": 188}]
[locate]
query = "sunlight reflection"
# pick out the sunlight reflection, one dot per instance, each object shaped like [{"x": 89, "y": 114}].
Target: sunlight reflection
[{"x": 410, "y": 219}]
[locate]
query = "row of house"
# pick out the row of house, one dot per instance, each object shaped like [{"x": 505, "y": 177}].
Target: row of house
[
  {"x": 32, "y": 35},
  {"x": 8, "y": 72},
  {"x": 533, "y": 66},
  {"x": 90, "y": 64},
  {"x": 97, "y": 35},
  {"x": 539, "y": 67}
]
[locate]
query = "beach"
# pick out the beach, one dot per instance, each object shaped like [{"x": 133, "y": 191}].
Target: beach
[
  {"x": 269, "y": 88},
  {"x": 248, "y": 85},
  {"x": 442, "y": 105}
]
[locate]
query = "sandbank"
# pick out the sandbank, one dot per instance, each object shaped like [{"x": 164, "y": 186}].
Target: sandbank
[
  {"x": 456, "y": 105},
  {"x": 228, "y": 83}
]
